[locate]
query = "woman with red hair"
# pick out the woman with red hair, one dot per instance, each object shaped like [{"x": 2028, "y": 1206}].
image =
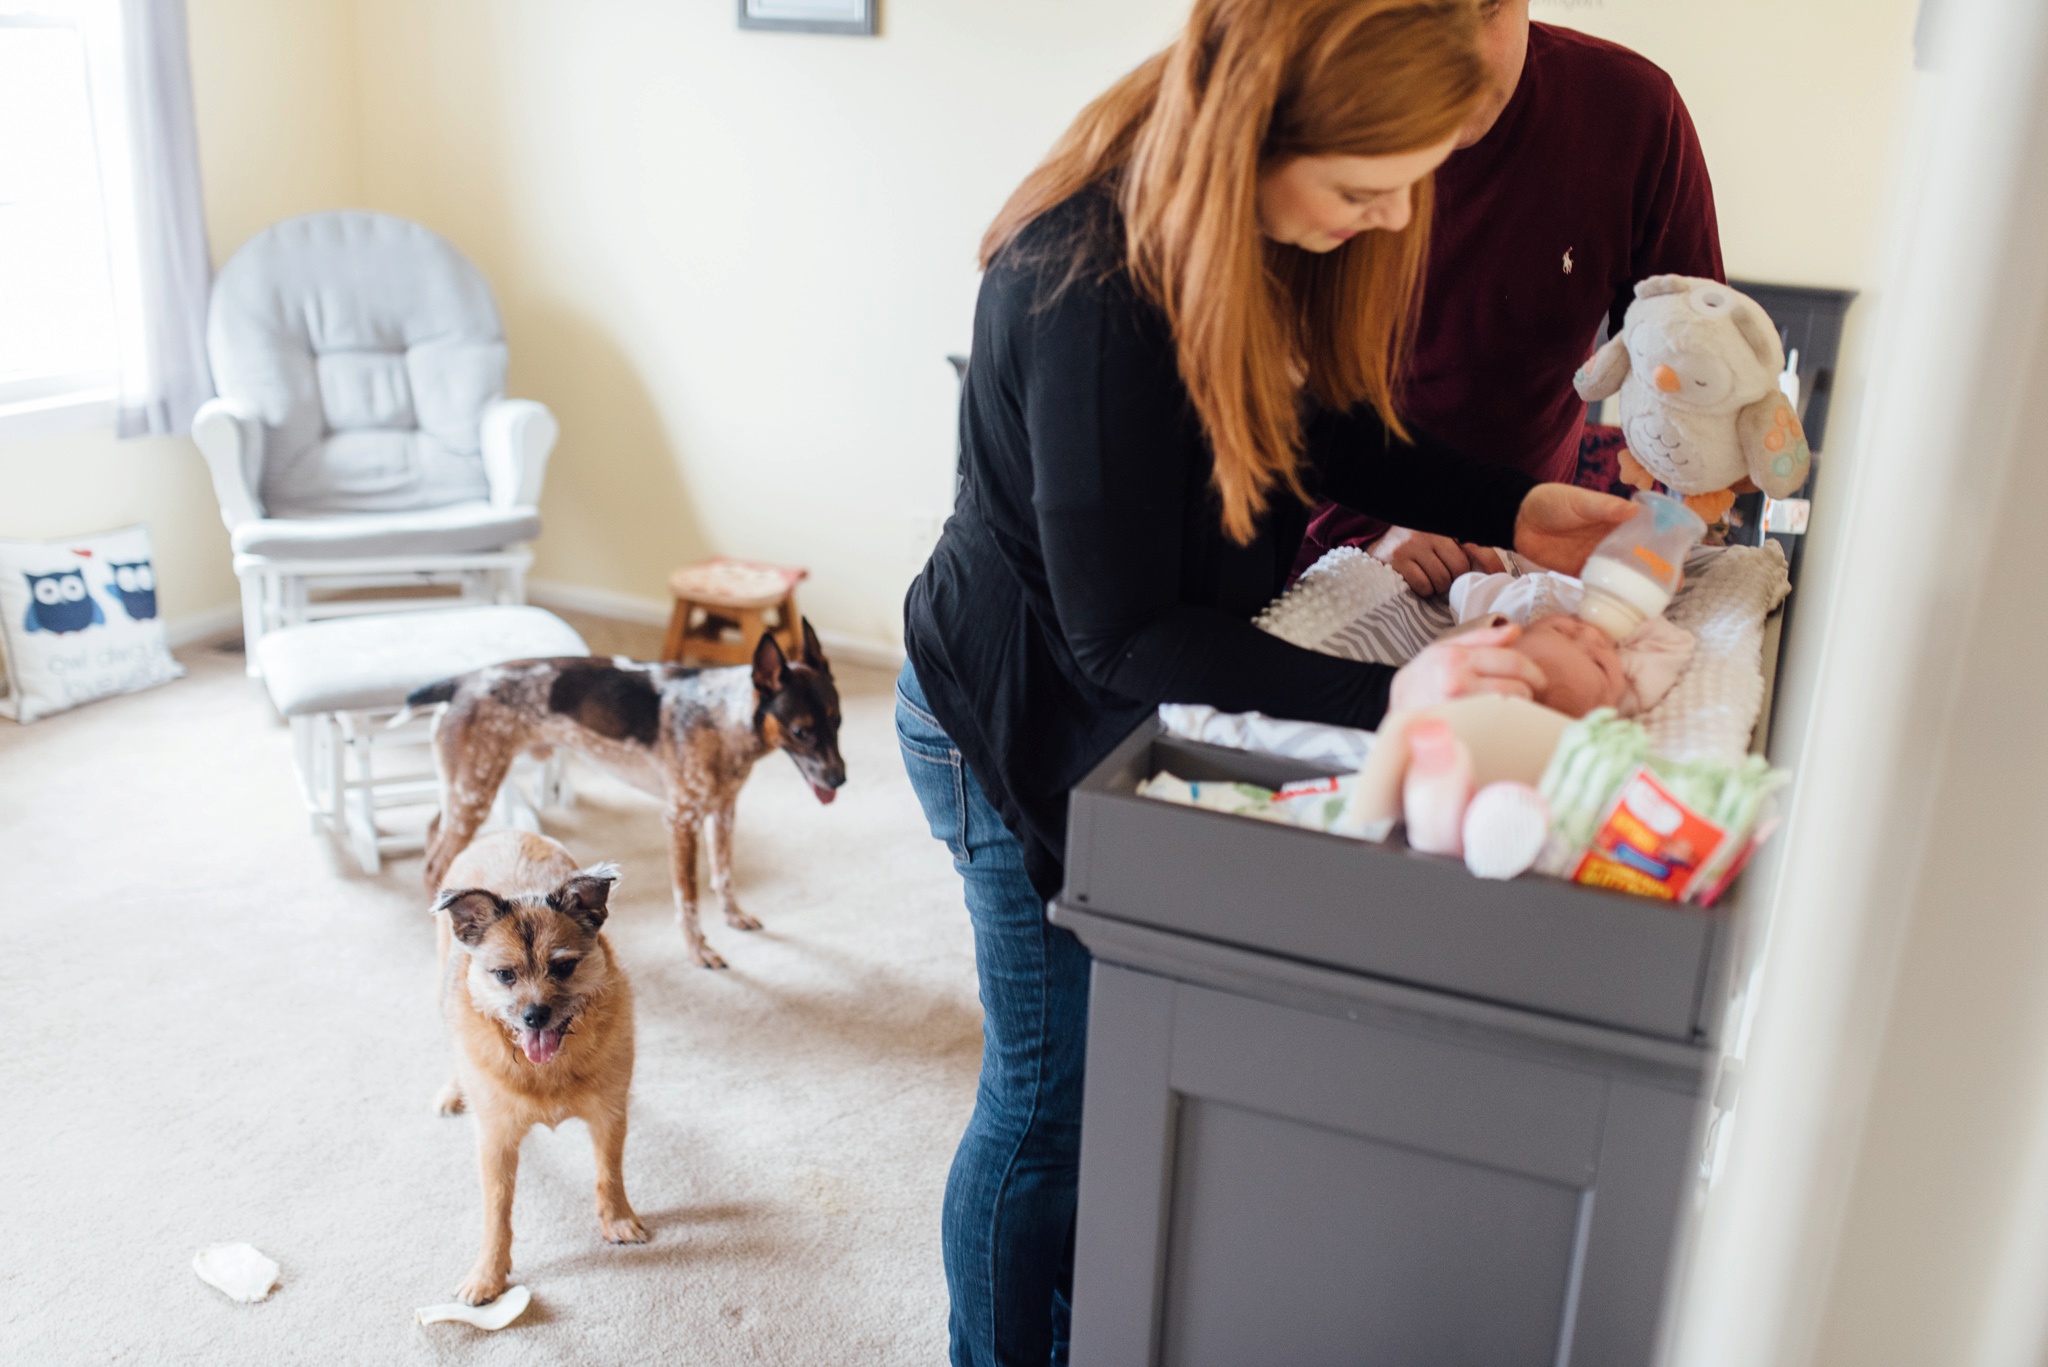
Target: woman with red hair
[{"x": 1190, "y": 319}]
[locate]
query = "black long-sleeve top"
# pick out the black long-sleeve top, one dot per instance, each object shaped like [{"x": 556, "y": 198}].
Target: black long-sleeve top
[{"x": 1085, "y": 578}]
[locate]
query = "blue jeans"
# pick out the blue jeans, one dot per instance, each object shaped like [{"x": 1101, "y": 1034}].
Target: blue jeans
[{"x": 1008, "y": 1228}]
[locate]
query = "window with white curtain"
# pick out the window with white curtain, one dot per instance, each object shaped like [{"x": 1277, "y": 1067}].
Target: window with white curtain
[{"x": 59, "y": 343}]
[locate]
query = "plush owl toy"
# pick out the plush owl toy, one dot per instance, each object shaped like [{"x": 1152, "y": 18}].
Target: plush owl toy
[{"x": 1696, "y": 364}]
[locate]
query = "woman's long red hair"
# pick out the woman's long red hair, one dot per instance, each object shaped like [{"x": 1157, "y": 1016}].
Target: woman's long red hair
[{"x": 1182, "y": 139}]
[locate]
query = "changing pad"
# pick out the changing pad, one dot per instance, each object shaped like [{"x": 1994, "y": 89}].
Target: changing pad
[{"x": 1351, "y": 605}]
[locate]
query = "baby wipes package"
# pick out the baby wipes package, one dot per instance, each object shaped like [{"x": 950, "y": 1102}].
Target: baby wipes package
[
  {"x": 1626, "y": 819},
  {"x": 1650, "y": 843}
]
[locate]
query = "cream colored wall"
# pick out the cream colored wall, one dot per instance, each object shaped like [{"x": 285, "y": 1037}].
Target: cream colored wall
[
  {"x": 1798, "y": 105},
  {"x": 733, "y": 263},
  {"x": 274, "y": 85}
]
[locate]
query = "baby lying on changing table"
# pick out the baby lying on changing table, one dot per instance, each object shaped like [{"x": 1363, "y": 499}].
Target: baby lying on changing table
[{"x": 1584, "y": 667}]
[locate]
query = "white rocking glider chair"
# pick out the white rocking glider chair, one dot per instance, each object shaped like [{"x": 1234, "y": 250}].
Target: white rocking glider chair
[{"x": 362, "y": 439}]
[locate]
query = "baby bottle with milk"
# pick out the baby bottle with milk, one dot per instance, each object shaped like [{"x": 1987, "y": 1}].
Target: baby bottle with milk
[{"x": 1634, "y": 572}]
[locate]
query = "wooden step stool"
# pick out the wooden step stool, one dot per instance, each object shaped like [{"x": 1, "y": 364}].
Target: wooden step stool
[{"x": 723, "y": 607}]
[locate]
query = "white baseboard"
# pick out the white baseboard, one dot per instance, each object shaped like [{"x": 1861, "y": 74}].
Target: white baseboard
[
  {"x": 621, "y": 607},
  {"x": 630, "y": 607},
  {"x": 861, "y": 650},
  {"x": 180, "y": 632}
]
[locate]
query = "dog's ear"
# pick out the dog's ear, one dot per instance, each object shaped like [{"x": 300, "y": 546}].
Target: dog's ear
[
  {"x": 584, "y": 895},
  {"x": 471, "y": 912},
  {"x": 814, "y": 653},
  {"x": 771, "y": 666}
]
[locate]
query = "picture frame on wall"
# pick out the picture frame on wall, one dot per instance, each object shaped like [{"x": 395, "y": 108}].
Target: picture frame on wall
[{"x": 857, "y": 17}]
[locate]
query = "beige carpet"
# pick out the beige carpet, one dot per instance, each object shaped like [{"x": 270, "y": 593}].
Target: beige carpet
[{"x": 219, "y": 1030}]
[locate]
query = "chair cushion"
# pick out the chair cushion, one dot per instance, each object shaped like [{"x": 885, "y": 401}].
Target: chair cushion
[
  {"x": 365, "y": 389},
  {"x": 361, "y": 663},
  {"x": 369, "y": 346},
  {"x": 724, "y": 583},
  {"x": 460, "y": 529}
]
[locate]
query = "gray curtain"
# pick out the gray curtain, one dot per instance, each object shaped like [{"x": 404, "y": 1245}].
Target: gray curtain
[{"x": 141, "y": 82}]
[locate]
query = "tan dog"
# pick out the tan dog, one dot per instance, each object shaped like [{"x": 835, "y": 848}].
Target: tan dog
[{"x": 542, "y": 1020}]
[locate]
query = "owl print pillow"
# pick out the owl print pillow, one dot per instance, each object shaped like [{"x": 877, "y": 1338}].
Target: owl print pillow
[{"x": 78, "y": 621}]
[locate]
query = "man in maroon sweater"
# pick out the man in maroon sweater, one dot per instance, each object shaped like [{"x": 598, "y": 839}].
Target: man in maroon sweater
[{"x": 1578, "y": 177}]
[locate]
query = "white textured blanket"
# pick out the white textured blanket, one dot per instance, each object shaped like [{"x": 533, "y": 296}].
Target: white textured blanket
[
  {"x": 1349, "y": 604},
  {"x": 1352, "y": 605}
]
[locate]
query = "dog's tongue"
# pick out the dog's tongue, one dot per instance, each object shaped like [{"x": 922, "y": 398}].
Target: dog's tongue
[
  {"x": 540, "y": 1045},
  {"x": 825, "y": 795}
]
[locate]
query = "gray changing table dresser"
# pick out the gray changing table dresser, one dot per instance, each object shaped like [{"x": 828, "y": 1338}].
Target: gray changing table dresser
[{"x": 1348, "y": 1104}]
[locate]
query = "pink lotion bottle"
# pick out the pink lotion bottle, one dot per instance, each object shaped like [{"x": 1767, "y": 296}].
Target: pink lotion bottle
[{"x": 1436, "y": 788}]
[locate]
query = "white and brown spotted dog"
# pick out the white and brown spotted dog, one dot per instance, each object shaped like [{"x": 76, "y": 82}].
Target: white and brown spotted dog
[
  {"x": 541, "y": 1017},
  {"x": 688, "y": 736}
]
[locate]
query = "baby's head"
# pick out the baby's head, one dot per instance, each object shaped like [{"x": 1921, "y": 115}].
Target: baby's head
[
  {"x": 1586, "y": 668},
  {"x": 1580, "y": 661}
]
